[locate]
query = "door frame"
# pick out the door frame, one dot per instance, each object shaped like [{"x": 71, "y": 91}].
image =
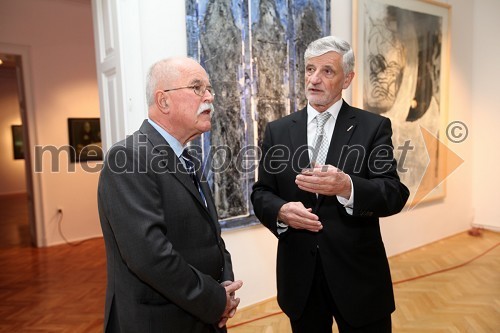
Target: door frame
[{"x": 27, "y": 109}]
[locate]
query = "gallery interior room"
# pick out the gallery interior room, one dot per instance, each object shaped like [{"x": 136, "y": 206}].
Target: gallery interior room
[{"x": 72, "y": 78}]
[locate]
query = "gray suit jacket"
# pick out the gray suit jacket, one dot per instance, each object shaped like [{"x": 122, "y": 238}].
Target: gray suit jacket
[{"x": 165, "y": 255}]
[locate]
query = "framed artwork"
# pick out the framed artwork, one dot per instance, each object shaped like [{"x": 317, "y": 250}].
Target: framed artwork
[
  {"x": 259, "y": 79},
  {"x": 84, "y": 139},
  {"x": 18, "y": 142},
  {"x": 402, "y": 68}
]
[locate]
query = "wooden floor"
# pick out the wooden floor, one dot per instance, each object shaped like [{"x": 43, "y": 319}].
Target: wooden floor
[
  {"x": 55, "y": 289},
  {"x": 14, "y": 228},
  {"x": 61, "y": 288},
  {"x": 461, "y": 300}
]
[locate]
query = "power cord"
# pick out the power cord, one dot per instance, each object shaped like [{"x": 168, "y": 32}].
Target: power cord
[
  {"x": 447, "y": 269},
  {"x": 59, "y": 227}
]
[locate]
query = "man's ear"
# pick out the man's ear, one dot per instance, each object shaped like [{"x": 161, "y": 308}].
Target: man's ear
[
  {"x": 347, "y": 80},
  {"x": 162, "y": 101}
]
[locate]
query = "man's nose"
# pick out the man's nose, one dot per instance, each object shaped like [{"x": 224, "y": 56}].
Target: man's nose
[
  {"x": 315, "y": 78},
  {"x": 208, "y": 97}
]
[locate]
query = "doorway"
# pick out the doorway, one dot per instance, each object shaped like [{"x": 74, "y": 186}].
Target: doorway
[{"x": 17, "y": 218}]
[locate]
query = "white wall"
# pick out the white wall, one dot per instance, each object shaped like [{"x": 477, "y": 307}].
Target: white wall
[
  {"x": 11, "y": 170},
  {"x": 486, "y": 111},
  {"x": 59, "y": 36}
]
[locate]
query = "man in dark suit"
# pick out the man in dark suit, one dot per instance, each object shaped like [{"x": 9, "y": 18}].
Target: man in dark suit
[
  {"x": 168, "y": 268},
  {"x": 324, "y": 203}
]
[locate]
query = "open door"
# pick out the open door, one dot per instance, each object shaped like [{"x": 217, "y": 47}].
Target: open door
[
  {"x": 20, "y": 59},
  {"x": 27, "y": 157}
]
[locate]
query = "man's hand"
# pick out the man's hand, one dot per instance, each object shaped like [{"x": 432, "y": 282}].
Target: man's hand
[
  {"x": 326, "y": 180},
  {"x": 231, "y": 301},
  {"x": 295, "y": 215}
]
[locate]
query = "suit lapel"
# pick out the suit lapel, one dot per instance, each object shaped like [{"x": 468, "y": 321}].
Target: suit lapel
[
  {"x": 299, "y": 148},
  {"x": 298, "y": 136},
  {"x": 298, "y": 132},
  {"x": 345, "y": 125},
  {"x": 172, "y": 162},
  {"x": 208, "y": 197}
]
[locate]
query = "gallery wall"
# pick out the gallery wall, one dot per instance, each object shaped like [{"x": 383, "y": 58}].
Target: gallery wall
[
  {"x": 485, "y": 131},
  {"x": 62, "y": 78},
  {"x": 11, "y": 170}
]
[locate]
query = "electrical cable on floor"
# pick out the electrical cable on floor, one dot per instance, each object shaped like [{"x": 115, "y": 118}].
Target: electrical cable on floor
[
  {"x": 59, "y": 227},
  {"x": 394, "y": 283},
  {"x": 446, "y": 269}
]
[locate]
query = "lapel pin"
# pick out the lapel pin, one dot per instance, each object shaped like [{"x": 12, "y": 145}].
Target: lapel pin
[{"x": 350, "y": 128}]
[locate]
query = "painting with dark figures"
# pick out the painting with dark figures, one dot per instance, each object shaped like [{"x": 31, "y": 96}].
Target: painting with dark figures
[
  {"x": 253, "y": 52},
  {"x": 401, "y": 72},
  {"x": 85, "y": 139},
  {"x": 17, "y": 142}
]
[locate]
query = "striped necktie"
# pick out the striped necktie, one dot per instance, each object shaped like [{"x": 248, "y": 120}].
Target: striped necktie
[{"x": 190, "y": 168}]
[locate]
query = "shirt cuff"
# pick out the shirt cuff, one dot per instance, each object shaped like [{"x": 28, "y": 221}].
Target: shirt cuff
[
  {"x": 282, "y": 227},
  {"x": 348, "y": 203}
]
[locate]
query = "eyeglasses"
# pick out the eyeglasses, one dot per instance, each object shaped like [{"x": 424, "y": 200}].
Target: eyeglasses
[{"x": 198, "y": 89}]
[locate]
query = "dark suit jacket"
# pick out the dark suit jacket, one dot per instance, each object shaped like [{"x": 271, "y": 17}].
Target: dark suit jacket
[
  {"x": 350, "y": 247},
  {"x": 165, "y": 254}
]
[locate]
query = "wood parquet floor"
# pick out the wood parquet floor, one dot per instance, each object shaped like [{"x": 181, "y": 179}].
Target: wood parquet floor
[
  {"x": 55, "y": 289},
  {"x": 461, "y": 300},
  {"x": 61, "y": 289},
  {"x": 14, "y": 227}
]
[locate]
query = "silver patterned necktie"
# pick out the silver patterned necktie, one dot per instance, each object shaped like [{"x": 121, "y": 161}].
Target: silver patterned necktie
[{"x": 321, "y": 144}]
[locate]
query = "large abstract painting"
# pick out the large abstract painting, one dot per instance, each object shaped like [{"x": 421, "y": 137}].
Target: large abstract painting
[
  {"x": 253, "y": 52},
  {"x": 402, "y": 68}
]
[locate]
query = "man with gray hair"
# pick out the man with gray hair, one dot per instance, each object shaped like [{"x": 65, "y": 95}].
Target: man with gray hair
[
  {"x": 168, "y": 267},
  {"x": 326, "y": 175}
]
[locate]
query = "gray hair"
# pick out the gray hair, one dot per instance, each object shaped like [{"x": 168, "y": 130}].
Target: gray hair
[
  {"x": 335, "y": 44},
  {"x": 159, "y": 73}
]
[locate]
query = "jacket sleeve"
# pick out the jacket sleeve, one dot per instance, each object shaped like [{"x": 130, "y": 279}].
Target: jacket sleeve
[{"x": 380, "y": 193}]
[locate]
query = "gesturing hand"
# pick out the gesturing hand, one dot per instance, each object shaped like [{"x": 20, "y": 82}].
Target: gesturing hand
[
  {"x": 295, "y": 215},
  {"x": 326, "y": 180}
]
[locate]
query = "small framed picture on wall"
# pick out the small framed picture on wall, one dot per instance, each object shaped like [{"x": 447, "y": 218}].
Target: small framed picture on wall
[
  {"x": 18, "y": 142},
  {"x": 84, "y": 139}
]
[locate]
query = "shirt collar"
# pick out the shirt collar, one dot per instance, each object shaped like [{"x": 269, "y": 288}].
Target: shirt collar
[
  {"x": 173, "y": 142},
  {"x": 334, "y": 110}
]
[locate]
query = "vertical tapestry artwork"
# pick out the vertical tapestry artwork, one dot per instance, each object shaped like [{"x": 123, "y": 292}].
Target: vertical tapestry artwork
[
  {"x": 401, "y": 48},
  {"x": 253, "y": 52}
]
